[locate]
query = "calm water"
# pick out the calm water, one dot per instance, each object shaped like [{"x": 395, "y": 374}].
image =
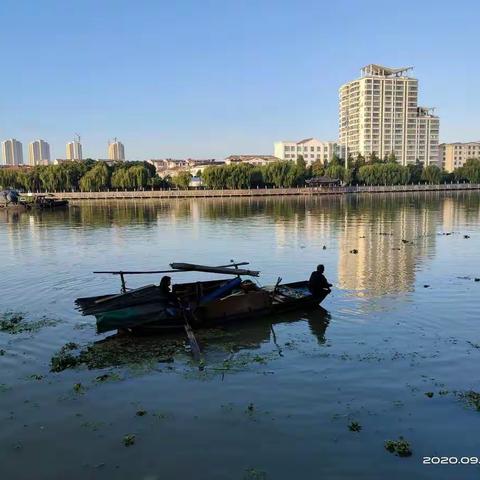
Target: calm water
[{"x": 276, "y": 396}]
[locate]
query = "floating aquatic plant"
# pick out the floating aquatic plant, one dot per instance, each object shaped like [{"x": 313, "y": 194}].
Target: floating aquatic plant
[
  {"x": 129, "y": 440},
  {"x": 399, "y": 447},
  {"x": 354, "y": 427}
]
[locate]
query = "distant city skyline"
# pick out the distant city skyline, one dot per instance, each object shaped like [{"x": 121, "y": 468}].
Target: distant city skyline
[{"x": 210, "y": 92}]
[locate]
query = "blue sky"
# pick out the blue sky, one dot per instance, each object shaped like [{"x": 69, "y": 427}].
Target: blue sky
[{"x": 210, "y": 78}]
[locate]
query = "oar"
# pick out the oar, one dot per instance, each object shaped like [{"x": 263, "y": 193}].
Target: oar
[{"x": 191, "y": 337}]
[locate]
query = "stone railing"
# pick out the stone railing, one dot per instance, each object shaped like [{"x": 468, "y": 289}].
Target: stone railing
[{"x": 261, "y": 192}]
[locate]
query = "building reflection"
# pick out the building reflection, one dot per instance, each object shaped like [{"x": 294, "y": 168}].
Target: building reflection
[{"x": 379, "y": 253}]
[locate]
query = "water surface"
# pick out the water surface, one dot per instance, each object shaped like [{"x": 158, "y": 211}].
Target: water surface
[{"x": 276, "y": 396}]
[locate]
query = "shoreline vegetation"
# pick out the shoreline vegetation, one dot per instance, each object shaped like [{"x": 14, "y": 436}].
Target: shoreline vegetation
[{"x": 97, "y": 176}]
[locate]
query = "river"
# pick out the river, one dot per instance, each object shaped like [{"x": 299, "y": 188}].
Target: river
[{"x": 394, "y": 355}]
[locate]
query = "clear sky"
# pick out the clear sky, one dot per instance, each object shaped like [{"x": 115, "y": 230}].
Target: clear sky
[{"x": 205, "y": 79}]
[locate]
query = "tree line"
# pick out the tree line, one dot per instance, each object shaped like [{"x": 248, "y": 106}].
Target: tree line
[{"x": 91, "y": 175}]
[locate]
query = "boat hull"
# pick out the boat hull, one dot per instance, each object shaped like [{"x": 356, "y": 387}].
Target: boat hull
[{"x": 144, "y": 310}]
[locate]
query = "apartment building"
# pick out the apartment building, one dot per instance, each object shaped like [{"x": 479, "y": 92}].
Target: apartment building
[
  {"x": 311, "y": 149},
  {"x": 454, "y": 155},
  {"x": 12, "y": 152},
  {"x": 39, "y": 153},
  {"x": 74, "y": 150},
  {"x": 379, "y": 113},
  {"x": 116, "y": 151}
]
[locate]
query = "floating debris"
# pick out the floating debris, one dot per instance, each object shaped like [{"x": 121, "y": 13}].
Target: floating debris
[
  {"x": 106, "y": 377},
  {"x": 400, "y": 447},
  {"x": 324, "y": 247},
  {"x": 129, "y": 440},
  {"x": 140, "y": 413},
  {"x": 429, "y": 394},
  {"x": 354, "y": 427},
  {"x": 355, "y": 251},
  {"x": 426, "y": 286},
  {"x": 466, "y": 236}
]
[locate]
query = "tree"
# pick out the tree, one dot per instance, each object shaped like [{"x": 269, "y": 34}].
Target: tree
[
  {"x": 432, "y": 174},
  {"x": 318, "y": 169},
  {"x": 96, "y": 179},
  {"x": 392, "y": 158},
  {"x": 470, "y": 170},
  {"x": 415, "y": 170},
  {"x": 182, "y": 180},
  {"x": 301, "y": 162}
]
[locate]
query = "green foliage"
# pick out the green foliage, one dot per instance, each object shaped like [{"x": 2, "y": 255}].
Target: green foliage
[
  {"x": 432, "y": 174},
  {"x": 182, "y": 180},
  {"x": 96, "y": 179},
  {"x": 317, "y": 169},
  {"x": 301, "y": 162},
  {"x": 415, "y": 170},
  {"x": 383, "y": 174},
  {"x": 470, "y": 171}
]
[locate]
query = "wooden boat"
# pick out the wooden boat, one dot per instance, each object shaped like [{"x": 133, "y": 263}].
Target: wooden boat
[
  {"x": 199, "y": 304},
  {"x": 43, "y": 202}
]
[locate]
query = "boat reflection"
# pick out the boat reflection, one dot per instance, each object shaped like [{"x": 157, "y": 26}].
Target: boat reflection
[{"x": 219, "y": 345}]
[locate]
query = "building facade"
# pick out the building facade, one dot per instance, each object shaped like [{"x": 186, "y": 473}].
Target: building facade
[
  {"x": 251, "y": 159},
  {"x": 38, "y": 153},
  {"x": 74, "y": 150},
  {"x": 116, "y": 151},
  {"x": 12, "y": 152},
  {"x": 311, "y": 150},
  {"x": 379, "y": 113},
  {"x": 454, "y": 155}
]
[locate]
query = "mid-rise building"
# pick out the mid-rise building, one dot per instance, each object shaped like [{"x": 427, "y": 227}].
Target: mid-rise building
[
  {"x": 116, "y": 151},
  {"x": 454, "y": 155},
  {"x": 251, "y": 159},
  {"x": 38, "y": 153},
  {"x": 74, "y": 150},
  {"x": 12, "y": 152},
  {"x": 311, "y": 150},
  {"x": 379, "y": 113}
]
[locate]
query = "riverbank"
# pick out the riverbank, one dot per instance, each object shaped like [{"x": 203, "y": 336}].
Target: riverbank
[{"x": 261, "y": 192}]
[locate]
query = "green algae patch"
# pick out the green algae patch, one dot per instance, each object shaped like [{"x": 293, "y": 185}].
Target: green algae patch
[
  {"x": 129, "y": 440},
  {"x": 399, "y": 447},
  {"x": 133, "y": 352},
  {"x": 14, "y": 323},
  {"x": 354, "y": 427},
  {"x": 64, "y": 358},
  {"x": 254, "y": 474},
  {"x": 472, "y": 398}
]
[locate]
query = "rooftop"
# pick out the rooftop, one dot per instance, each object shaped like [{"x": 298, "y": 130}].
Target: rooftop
[{"x": 382, "y": 71}]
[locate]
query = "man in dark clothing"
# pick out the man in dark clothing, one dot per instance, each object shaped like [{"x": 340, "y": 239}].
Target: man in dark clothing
[{"x": 318, "y": 284}]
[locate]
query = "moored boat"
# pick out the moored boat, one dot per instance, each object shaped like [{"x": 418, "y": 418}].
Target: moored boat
[{"x": 199, "y": 304}]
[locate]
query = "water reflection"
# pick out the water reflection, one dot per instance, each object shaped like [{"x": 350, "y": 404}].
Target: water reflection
[
  {"x": 394, "y": 234},
  {"x": 217, "y": 344}
]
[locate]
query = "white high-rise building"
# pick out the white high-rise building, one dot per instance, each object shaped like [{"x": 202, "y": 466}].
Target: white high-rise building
[
  {"x": 39, "y": 153},
  {"x": 379, "y": 114},
  {"x": 74, "y": 150},
  {"x": 12, "y": 152},
  {"x": 311, "y": 150},
  {"x": 116, "y": 151}
]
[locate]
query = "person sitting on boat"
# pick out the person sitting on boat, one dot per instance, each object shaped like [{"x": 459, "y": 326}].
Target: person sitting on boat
[
  {"x": 165, "y": 288},
  {"x": 318, "y": 284}
]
